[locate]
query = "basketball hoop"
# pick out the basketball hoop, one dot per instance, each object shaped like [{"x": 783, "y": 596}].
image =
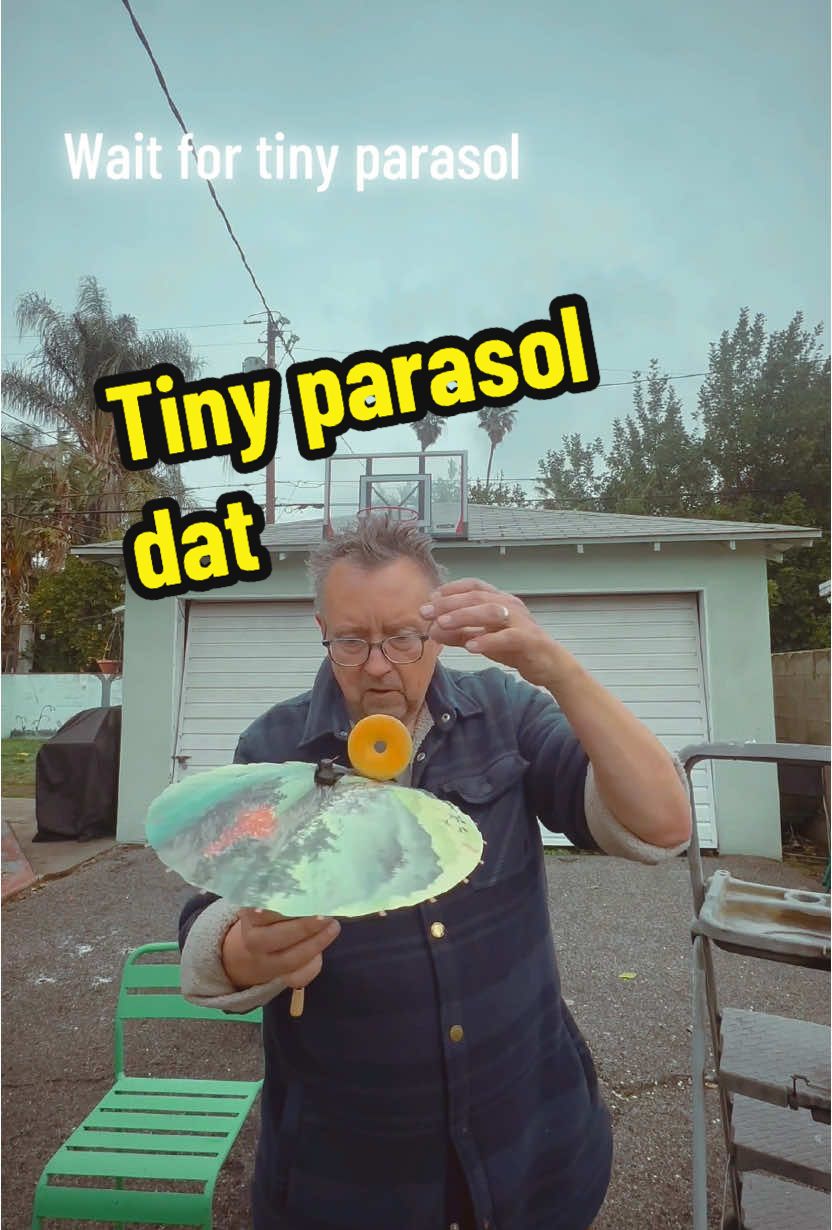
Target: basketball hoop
[
  {"x": 426, "y": 490},
  {"x": 393, "y": 512}
]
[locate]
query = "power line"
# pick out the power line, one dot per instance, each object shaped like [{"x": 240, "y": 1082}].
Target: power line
[
  {"x": 178, "y": 116},
  {"x": 19, "y": 443},
  {"x": 239, "y": 344},
  {"x": 323, "y": 351},
  {"x": 295, "y": 484},
  {"x": 43, "y": 431},
  {"x": 76, "y": 511},
  {"x": 126, "y": 512},
  {"x": 80, "y": 453},
  {"x": 39, "y": 453},
  {"x": 67, "y": 490},
  {"x": 326, "y": 351},
  {"x": 306, "y": 484},
  {"x": 277, "y": 321},
  {"x": 218, "y": 324},
  {"x": 614, "y": 384}
]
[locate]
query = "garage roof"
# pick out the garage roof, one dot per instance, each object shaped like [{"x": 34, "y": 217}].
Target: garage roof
[{"x": 490, "y": 526}]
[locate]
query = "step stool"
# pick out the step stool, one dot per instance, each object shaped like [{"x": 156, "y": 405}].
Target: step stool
[{"x": 773, "y": 1073}]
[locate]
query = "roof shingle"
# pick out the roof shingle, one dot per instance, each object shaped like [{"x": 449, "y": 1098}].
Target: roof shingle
[{"x": 488, "y": 524}]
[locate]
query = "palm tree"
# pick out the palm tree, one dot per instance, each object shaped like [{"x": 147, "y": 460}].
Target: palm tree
[
  {"x": 496, "y": 422},
  {"x": 428, "y": 429},
  {"x": 54, "y": 389}
]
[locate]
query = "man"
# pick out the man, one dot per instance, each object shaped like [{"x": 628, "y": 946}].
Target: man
[{"x": 436, "y": 1080}]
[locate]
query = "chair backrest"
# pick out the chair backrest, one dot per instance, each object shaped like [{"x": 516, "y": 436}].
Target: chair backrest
[{"x": 150, "y": 990}]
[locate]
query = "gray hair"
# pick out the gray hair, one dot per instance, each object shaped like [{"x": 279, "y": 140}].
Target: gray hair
[{"x": 374, "y": 541}]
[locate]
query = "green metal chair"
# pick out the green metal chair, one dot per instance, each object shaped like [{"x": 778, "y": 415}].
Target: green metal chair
[{"x": 162, "y": 1130}]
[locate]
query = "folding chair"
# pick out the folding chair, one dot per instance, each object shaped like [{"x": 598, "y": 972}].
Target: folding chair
[{"x": 165, "y": 1130}]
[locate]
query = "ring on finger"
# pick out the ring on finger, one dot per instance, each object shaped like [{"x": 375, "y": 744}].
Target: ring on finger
[{"x": 505, "y": 614}]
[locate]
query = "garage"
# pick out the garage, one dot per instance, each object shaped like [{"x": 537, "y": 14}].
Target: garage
[
  {"x": 671, "y": 614},
  {"x": 241, "y": 657}
]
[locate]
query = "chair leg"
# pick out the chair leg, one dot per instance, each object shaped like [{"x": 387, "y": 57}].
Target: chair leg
[{"x": 37, "y": 1220}]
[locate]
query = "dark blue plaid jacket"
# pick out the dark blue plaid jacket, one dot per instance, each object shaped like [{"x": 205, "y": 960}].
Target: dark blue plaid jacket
[{"x": 368, "y": 1092}]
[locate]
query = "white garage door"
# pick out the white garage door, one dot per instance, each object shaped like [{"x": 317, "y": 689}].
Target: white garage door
[
  {"x": 240, "y": 659},
  {"x": 243, "y": 657}
]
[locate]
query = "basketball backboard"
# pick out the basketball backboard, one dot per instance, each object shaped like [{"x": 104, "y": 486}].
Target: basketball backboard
[{"x": 430, "y": 489}]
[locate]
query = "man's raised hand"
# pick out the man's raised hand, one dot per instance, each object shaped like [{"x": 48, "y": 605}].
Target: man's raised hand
[{"x": 474, "y": 615}]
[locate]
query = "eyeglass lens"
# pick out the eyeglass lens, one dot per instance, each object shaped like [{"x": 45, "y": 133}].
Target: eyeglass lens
[{"x": 352, "y": 651}]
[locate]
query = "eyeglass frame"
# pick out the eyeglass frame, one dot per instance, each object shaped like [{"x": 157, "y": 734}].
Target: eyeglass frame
[{"x": 371, "y": 645}]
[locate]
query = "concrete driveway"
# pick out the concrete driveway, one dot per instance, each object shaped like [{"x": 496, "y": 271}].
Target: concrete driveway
[
  {"x": 26, "y": 860},
  {"x": 65, "y": 940}
]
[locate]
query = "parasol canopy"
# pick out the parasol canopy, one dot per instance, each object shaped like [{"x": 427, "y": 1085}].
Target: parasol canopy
[{"x": 270, "y": 836}]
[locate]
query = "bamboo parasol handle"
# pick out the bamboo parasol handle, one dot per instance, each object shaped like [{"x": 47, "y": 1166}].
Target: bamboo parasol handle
[{"x": 296, "y": 1006}]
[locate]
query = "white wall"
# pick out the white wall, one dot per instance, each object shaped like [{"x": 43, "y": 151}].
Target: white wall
[
  {"x": 153, "y": 641},
  {"x": 42, "y": 703}
]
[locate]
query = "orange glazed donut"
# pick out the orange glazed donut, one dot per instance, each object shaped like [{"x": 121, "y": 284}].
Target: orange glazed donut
[{"x": 379, "y": 747}]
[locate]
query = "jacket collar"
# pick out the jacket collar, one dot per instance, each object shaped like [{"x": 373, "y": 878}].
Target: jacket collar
[{"x": 327, "y": 715}]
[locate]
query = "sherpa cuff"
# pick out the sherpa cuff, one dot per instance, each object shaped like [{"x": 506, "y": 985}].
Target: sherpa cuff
[
  {"x": 611, "y": 835},
  {"x": 204, "y": 980}
]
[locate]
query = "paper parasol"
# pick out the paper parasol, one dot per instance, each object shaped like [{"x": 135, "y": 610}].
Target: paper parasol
[{"x": 271, "y": 836}]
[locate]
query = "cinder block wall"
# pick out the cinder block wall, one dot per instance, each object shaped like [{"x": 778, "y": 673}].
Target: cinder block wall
[{"x": 801, "y": 696}]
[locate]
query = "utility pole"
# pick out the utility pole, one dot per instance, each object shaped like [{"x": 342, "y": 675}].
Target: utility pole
[
  {"x": 275, "y": 326},
  {"x": 271, "y": 467}
]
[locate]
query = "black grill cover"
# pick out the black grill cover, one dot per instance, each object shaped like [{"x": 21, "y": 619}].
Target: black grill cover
[{"x": 76, "y": 777}]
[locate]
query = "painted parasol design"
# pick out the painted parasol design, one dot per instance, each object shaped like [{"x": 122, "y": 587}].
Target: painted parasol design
[{"x": 270, "y": 836}]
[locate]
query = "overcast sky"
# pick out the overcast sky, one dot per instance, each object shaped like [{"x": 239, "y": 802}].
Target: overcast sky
[{"x": 673, "y": 168}]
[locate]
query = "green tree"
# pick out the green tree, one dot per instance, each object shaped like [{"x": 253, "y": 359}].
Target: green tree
[
  {"x": 568, "y": 477},
  {"x": 799, "y": 616},
  {"x": 654, "y": 465},
  {"x": 501, "y": 494},
  {"x": 72, "y": 611},
  {"x": 496, "y": 422},
  {"x": 37, "y": 508},
  {"x": 54, "y": 389},
  {"x": 764, "y": 410}
]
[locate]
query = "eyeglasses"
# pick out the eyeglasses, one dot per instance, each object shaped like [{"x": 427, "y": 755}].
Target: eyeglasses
[{"x": 353, "y": 651}]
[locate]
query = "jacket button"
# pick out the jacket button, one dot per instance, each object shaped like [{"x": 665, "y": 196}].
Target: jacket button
[
  {"x": 420, "y": 755},
  {"x": 437, "y": 930},
  {"x": 456, "y": 1033},
  {"x": 445, "y": 717}
]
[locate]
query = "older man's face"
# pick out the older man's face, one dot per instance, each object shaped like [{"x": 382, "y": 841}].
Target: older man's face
[{"x": 373, "y": 604}]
